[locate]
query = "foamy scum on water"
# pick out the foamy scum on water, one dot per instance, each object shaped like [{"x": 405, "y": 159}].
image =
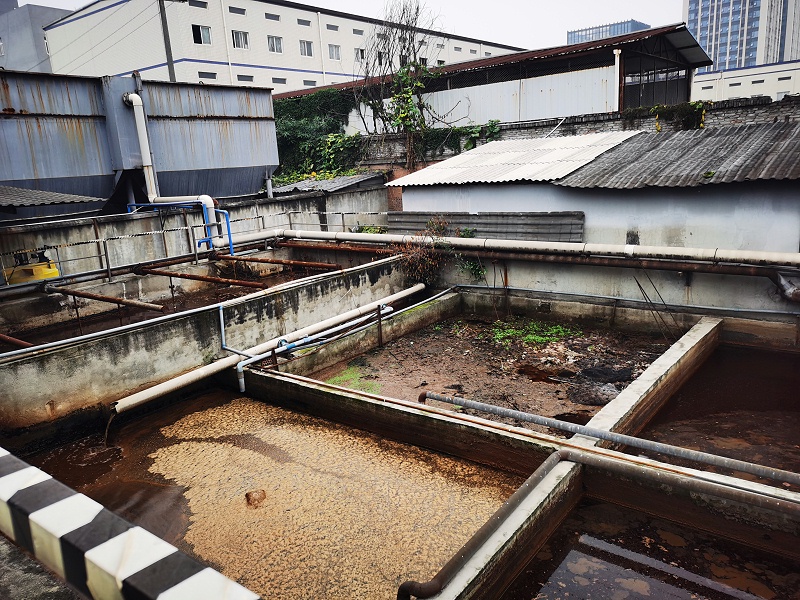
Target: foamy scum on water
[{"x": 346, "y": 514}]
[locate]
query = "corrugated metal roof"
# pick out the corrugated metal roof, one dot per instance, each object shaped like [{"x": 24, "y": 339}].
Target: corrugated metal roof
[
  {"x": 11, "y": 196},
  {"x": 537, "y": 159},
  {"x": 678, "y": 36},
  {"x": 329, "y": 185},
  {"x": 697, "y": 157}
]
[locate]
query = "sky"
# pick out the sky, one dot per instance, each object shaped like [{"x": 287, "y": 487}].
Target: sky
[{"x": 527, "y": 24}]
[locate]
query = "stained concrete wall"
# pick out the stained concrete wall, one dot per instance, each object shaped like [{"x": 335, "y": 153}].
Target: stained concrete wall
[
  {"x": 95, "y": 373},
  {"x": 151, "y": 236}
]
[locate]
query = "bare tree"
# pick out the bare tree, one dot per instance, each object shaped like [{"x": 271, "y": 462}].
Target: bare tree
[{"x": 394, "y": 66}]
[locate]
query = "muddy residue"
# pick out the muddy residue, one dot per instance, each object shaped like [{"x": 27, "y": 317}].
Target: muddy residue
[
  {"x": 474, "y": 358},
  {"x": 343, "y": 514}
]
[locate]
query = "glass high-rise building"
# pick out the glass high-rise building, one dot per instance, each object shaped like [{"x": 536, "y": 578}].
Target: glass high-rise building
[
  {"x": 590, "y": 34},
  {"x": 745, "y": 33}
]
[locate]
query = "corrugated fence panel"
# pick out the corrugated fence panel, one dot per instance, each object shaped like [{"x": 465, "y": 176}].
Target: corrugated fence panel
[{"x": 543, "y": 227}]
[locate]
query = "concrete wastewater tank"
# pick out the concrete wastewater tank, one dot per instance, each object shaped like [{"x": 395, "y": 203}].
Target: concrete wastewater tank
[{"x": 350, "y": 467}]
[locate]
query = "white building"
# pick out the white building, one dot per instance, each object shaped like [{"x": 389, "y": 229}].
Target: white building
[
  {"x": 774, "y": 81},
  {"x": 270, "y": 43}
]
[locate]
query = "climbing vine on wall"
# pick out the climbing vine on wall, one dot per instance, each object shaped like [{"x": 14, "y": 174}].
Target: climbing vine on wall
[{"x": 682, "y": 117}]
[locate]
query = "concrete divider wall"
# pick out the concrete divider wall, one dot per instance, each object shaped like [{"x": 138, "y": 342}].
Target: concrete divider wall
[{"x": 42, "y": 386}]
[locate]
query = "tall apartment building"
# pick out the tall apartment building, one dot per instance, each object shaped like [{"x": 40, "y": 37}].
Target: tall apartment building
[
  {"x": 270, "y": 43},
  {"x": 745, "y": 33},
  {"x": 591, "y": 34}
]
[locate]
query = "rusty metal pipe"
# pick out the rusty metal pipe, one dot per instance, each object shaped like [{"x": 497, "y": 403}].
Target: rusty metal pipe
[
  {"x": 376, "y": 248},
  {"x": 54, "y": 289},
  {"x": 632, "y": 263},
  {"x": 14, "y": 341},
  {"x": 208, "y": 278},
  {"x": 622, "y": 439},
  {"x": 278, "y": 261}
]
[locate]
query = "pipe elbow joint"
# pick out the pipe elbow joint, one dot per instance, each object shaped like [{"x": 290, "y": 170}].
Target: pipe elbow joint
[{"x": 132, "y": 99}]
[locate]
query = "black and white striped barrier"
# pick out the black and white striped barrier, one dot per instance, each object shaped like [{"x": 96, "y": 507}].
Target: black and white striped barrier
[{"x": 99, "y": 553}]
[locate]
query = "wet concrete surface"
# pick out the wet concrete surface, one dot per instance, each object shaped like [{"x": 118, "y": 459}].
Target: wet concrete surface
[
  {"x": 24, "y": 578},
  {"x": 742, "y": 403},
  {"x": 606, "y": 552},
  {"x": 343, "y": 513}
]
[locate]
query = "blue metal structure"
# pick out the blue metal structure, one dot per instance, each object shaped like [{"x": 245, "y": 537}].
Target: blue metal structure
[{"x": 75, "y": 135}]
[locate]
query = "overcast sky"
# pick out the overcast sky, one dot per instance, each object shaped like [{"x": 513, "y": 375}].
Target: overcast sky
[{"x": 523, "y": 23}]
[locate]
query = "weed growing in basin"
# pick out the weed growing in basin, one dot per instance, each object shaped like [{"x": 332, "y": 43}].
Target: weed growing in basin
[
  {"x": 530, "y": 331},
  {"x": 352, "y": 378}
]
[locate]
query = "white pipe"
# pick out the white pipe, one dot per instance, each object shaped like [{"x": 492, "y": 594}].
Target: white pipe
[
  {"x": 196, "y": 375},
  {"x": 135, "y": 100}
]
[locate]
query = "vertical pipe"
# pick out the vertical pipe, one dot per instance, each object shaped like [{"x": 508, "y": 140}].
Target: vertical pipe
[
  {"x": 167, "y": 44},
  {"x": 109, "y": 275},
  {"x": 619, "y": 78}
]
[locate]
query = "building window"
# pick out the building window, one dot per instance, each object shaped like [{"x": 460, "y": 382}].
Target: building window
[
  {"x": 309, "y": 82},
  {"x": 306, "y": 48},
  {"x": 757, "y": 81},
  {"x": 280, "y": 80},
  {"x": 46, "y": 46},
  {"x": 275, "y": 44},
  {"x": 358, "y": 32},
  {"x": 423, "y": 42},
  {"x": 198, "y": 4},
  {"x": 361, "y": 54},
  {"x": 403, "y": 60},
  {"x": 473, "y": 51},
  {"x": 331, "y": 27},
  {"x": 272, "y": 17},
  {"x": 423, "y": 61},
  {"x": 708, "y": 87},
  {"x": 304, "y": 22},
  {"x": 487, "y": 53},
  {"x": 334, "y": 52},
  {"x": 440, "y": 46},
  {"x": 3, "y": 49},
  {"x": 244, "y": 78},
  {"x": 201, "y": 34},
  {"x": 241, "y": 40},
  {"x": 236, "y": 10},
  {"x": 734, "y": 84},
  {"x": 439, "y": 63},
  {"x": 785, "y": 78},
  {"x": 381, "y": 58},
  {"x": 457, "y": 48},
  {"x": 206, "y": 75}
]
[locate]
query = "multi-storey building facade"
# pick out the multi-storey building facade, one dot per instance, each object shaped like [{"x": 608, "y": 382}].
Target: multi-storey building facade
[
  {"x": 591, "y": 34},
  {"x": 745, "y": 33},
  {"x": 271, "y": 43},
  {"x": 22, "y": 41}
]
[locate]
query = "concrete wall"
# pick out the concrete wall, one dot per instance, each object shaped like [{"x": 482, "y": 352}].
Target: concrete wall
[
  {"x": 739, "y": 216},
  {"x": 114, "y": 364},
  {"x": 145, "y": 236}
]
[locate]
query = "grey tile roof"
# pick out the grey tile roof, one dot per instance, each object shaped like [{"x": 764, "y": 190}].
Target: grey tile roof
[
  {"x": 535, "y": 159},
  {"x": 329, "y": 185},
  {"x": 697, "y": 157},
  {"x": 12, "y": 196}
]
